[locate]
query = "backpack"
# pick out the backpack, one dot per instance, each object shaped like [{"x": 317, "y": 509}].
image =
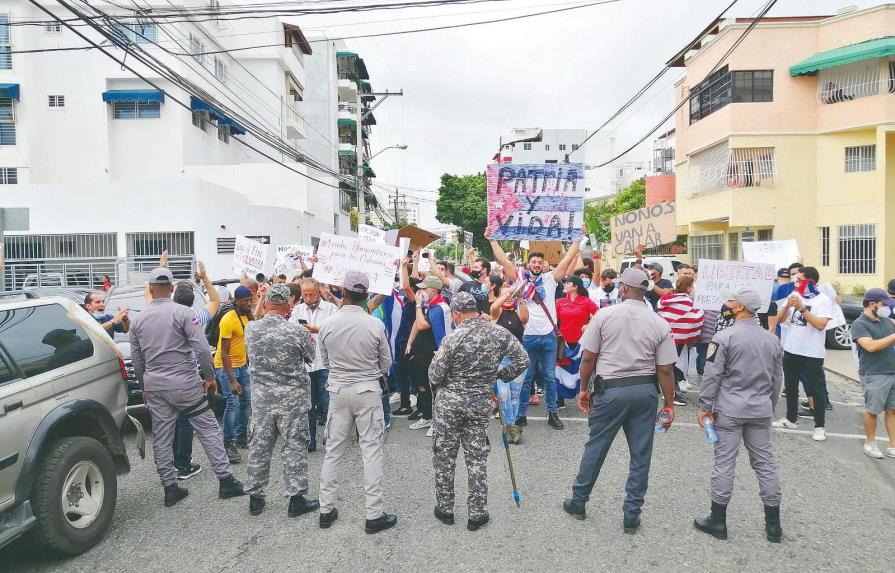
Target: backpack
[{"x": 213, "y": 328}]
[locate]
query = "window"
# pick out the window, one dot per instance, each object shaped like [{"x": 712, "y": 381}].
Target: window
[
  {"x": 7, "y": 122},
  {"x": 56, "y": 101},
  {"x": 824, "y": 246},
  {"x": 526, "y": 146},
  {"x": 857, "y": 249},
  {"x": 562, "y": 146},
  {"x": 53, "y": 27},
  {"x": 860, "y": 158},
  {"x": 7, "y": 373},
  {"x": 137, "y": 33},
  {"x": 710, "y": 95},
  {"x": 733, "y": 246},
  {"x": 224, "y": 133},
  {"x": 5, "y": 43},
  {"x": 892, "y": 76},
  {"x": 765, "y": 234},
  {"x": 43, "y": 338},
  {"x": 848, "y": 82},
  {"x": 136, "y": 109},
  {"x": 753, "y": 86},
  {"x": 751, "y": 167},
  {"x": 220, "y": 69},
  {"x": 200, "y": 119},
  {"x": 197, "y": 48},
  {"x": 574, "y": 147},
  {"x": 226, "y": 245},
  {"x": 9, "y": 175},
  {"x": 706, "y": 247},
  {"x": 547, "y": 147}
]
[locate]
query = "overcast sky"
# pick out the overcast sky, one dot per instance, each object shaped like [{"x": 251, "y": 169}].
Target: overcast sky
[{"x": 466, "y": 87}]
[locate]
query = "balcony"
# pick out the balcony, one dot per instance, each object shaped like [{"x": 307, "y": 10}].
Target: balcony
[
  {"x": 347, "y": 90},
  {"x": 295, "y": 124}
]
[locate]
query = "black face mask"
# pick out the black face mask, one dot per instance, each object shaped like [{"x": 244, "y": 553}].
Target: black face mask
[
  {"x": 608, "y": 289},
  {"x": 474, "y": 275}
]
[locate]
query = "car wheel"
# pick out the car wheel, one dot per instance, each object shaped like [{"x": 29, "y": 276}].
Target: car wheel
[
  {"x": 839, "y": 338},
  {"x": 74, "y": 495}
]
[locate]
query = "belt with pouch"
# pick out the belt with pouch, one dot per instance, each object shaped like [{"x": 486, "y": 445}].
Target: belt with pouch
[{"x": 629, "y": 381}]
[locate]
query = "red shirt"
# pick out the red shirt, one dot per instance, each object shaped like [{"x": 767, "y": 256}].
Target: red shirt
[{"x": 573, "y": 316}]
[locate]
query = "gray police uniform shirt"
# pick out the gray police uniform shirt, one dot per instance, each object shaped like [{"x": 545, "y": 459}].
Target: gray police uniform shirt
[
  {"x": 354, "y": 347},
  {"x": 468, "y": 362},
  {"x": 166, "y": 342},
  {"x": 743, "y": 372},
  {"x": 629, "y": 339},
  {"x": 278, "y": 351}
]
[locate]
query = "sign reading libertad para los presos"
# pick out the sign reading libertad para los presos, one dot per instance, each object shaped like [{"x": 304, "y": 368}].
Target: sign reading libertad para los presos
[
  {"x": 650, "y": 226},
  {"x": 540, "y": 202},
  {"x": 716, "y": 277}
]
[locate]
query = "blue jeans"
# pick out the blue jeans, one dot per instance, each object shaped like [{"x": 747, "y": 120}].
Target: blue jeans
[
  {"x": 319, "y": 402},
  {"x": 702, "y": 349},
  {"x": 509, "y": 392},
  {"x": 183, "y": 443},
  {"x": 541, "y": 350},
  {"x": 238, "y": 409}
]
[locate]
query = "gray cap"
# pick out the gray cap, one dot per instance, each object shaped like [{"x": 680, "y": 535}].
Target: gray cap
[
  {"x": 278, "y": 294},
  {"x": 356, "y": 282},
  {"x": 161, "y": 276},
  {"x": 635, "y": 278},
  {"x": 744, "y": 295},
  {"x": 463, "y": 302}
]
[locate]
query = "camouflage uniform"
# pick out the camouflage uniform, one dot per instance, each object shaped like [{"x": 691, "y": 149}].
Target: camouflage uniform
[
  {"x": 281, "y": 398},
  {"x": 464, "y": 371}
]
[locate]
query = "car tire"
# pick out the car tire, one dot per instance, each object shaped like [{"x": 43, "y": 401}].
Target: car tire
[
  {"x": 839, "y": 338},
  {"x": 58, "y": 483}
]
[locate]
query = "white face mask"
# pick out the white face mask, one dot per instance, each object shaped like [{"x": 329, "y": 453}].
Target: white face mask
[{"x": 883, "y": 312}]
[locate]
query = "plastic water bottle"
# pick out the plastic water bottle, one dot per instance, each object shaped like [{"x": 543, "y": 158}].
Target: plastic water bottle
[
  {"x": 660, "y": 425},
  {"x": 711, "y": 437}
]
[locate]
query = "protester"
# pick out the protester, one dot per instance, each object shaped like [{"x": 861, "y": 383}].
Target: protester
[
  {"x": 685, "y": 270},
  {"x": 433, "y": 323},
  {"x": 607, "y": 293},
  {"x": 399, "y": 315},
  {"x": 573, "y": 313},
  {"x": 510, "y": 311},
  {"x": 874, "y": 336},
  {"x": 686, "y": 325},
  {"x": 107, "y": 283},
  {"x": 444, "y": 270},
  {"x": 232, "y": 373},
  {"x": 95, "y": 304},
  {"x": 659, "y": 286}
]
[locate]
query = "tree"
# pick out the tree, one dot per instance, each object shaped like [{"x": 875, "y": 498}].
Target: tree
[
  {"x": 449, "y": 251},
  {"x": 401, "y": 223},
  {"x": 597, "y": 216},
  {"x": 462, "y": 202}
]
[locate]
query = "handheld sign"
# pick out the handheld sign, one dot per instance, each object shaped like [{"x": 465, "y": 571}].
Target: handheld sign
[
  {"x": 290, "y": 257},
  {"x": 781, "y": 254},
  {"x": 717, "y": 276},
  {"x": 336, "y": 255},
  {"x": 370, "y": 233},
  {"x": 249, "y": 256},
  {"x": 467, "y": 238},
  {"x": 651, "y": 226},
  {"x": 541, "y": 202}
]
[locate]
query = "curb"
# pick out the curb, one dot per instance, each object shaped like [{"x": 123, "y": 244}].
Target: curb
[{"x": 841, "y": 375}]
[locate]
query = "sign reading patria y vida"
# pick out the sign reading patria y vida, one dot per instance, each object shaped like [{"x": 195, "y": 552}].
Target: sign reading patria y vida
[
  {"x": 540, "y": 202},
  {"x": 651, "y": 226}
]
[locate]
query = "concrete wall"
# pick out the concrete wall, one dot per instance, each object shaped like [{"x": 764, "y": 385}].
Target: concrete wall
[{"x": 660, "y": 188}]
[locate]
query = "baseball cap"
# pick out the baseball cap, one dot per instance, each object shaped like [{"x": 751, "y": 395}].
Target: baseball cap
[
  {"x": 356, "y": 282},
  {"x": 635, "y": 278},
  {"x": 278, "y": 294},
  {"x": 431, "y": 281},
  {"x": 161, "y": 276},
  {"x": 463, "y": 302},
  {"x": 879, "y": 295},
  {"x": 744, "y": 295},
  {"x": 783, "y": 272},
  {"x": 242, "y": 292}
]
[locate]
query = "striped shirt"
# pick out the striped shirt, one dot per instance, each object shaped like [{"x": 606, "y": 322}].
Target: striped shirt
[{"x": 686, "y": 321}]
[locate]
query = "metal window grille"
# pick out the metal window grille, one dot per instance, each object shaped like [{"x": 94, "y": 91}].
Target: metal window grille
[
  {"x": 860, "y": 158},
  {"x": 7, "y": 134},
  {"x": 7, "y": 121},
  {"x": 562, "y": 146},
  {"x": 346, "y": 201},
  {"x": 574, "y": 147},
  {"x": 56, "y": 101},
  {"x": 9, "y": 175},
  {"x": 136, "y": 110},
  {"x": 224, "y": 133},
  {"x": 200, "y": 119},
  {"x": 849, "y": 82},
  {"x": 81, "y": 246},
  {"x": 526, "y": 146},
  {"x": 53, "y": 27},
  {"x": 751, "y": 167},
  {"x": 892, "y": 76},
  {"x": 766, "y": 234},
  {"x": 706, "y": 247},
  {"x": 707, "y": 170},
  {"x": 152, "y": 244},
  {"x": 5, "y": 43},
  {"x": 197, "y": 48},
  {"x": 710, "y": 95},
  {"x": 226, "y": 245},
  {"x": 733, "y": 246},
  {"x": 824, "y": 246},
  {"x": 857, "y": 249},
  {"x": 753, "y": 86},
  {"x": 220, "y": 69},
  {"x": 547, "y": 147}
]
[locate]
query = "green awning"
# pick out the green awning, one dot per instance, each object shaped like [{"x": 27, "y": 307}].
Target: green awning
[
  {"x": 368, "y": 171},
  {"x": 871, "y": 49},
  {"x": 346, "y": 55},
  {"x": 350, "y": 184},
  {"x": 347, "y": 122},
  {"x": 362, "y": 69},
  {"x": 347, "y": 153}
]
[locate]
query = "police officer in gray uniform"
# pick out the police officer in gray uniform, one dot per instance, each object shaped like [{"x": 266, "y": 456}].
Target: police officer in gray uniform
[
  {"x": 463, "y": 373},
  {"x": 743, "y": 374},
  {"x": 278, "y": 351},
  {"x": 166, "y": 340},
  {"x": 629, "y": 347}
]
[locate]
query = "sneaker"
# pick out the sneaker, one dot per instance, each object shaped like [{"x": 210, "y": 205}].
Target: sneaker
[
  {"x": 560, "y": 403},
  {"x": 784, "y": 423},
  {"x": 683, "y": 385},
  {"x": 872, "y": 450},
  {"x": 890, "y": 452},
  {"x": 540, "y": 391},
  {"x": 388, "y": 425},
  {"x": 430, "y": 432},
  {"x": 521, "y": 421},
  {"x": 421, "y": 424},
  {"x": 403, "y": 411},
  {"x": 395, "y": 398},
  {"x": 233, "y": 454},
  {"x": 679, "y": 400},
  {"x": 820, "y": 435},
  {"x": 415, "y": 415},
  {"x": 829, "y": 406},
  {"x": 534, "y": 400},
  {"x": 187, "y": 473},
  {"x": 806, "y": 413},
  {"x": 805, "y": 404}
]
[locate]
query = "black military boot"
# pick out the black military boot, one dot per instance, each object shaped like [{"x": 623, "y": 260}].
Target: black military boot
[
  {"x": 476, "y": 524},
  {"x": 716, "y": 523},
  {"x": 174, "y": 493},
  {"x": 630, "y": 525},
  {"x": 443, "y": 516},
  {"x": 256, "y": 504},
  {"x": 574, "y": 508},
  {"x": 230, "y": 487},
  {"x": 298, "y": 505},
  {"x": 327, "y": 519},
  {"x": 381, "y": 523},
  {"x": 521, "y": 421},
  {"x": 554, "y": 422},
  {"x": 772, "y": 523}
]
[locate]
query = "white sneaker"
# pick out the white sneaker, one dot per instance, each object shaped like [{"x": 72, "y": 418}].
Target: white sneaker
[
  {"x": 395, "y": 398},
  {"x": 421, "y": 424},
  {"x": 872, "y": 450},
  {"x": 412, "y": 400},
  {"x": 820, "y": 435},
  {"x": 683, "y": 385},
  {"x": 784, "y": 423},
  {"x": 890, "y": 452},
  {"x": 431, "y": 432}
]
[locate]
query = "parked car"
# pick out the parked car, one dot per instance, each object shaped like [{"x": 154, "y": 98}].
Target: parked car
[
  {"x": 63, "y": 403},
  {"x": 669, "y": 265},
  {"x": 839, "y": 338}
]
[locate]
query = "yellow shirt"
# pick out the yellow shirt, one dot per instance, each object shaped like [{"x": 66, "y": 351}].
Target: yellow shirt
[{"x": 231, "y": 326}]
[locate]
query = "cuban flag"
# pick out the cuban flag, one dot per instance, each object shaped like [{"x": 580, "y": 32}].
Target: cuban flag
[
  {"x": 567, "y": 377},
  {"x": 439, "y": 316},
  {"x": 389, "y": 312}
]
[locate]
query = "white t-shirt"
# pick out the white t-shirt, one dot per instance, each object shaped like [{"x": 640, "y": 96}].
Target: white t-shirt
[
  {"x": 603, "y": 298},
  {"x": 798, "y": 336},
  {"x": 324, "y": 310},
  {"x": 538, "y": 323}
]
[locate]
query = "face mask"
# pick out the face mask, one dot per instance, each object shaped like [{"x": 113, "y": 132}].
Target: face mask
[
  {"x": 484, "y": 289},
  {"x": 608, "y": 289},
  {"x": 97, "y": 315},
  {"x": 586, "y": 283},
  {"x": 884, "y": 312},
  {"x": 474, "y": 275}
]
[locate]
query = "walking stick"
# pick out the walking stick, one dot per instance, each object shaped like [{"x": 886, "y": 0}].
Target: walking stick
[{"x": 506, "y": 444}]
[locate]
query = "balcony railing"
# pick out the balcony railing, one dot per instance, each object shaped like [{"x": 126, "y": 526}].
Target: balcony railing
[
  {"x": 853, "y": 81},
  {"x": 346, "y": 201},
  {"x": 720, "y": 167}
]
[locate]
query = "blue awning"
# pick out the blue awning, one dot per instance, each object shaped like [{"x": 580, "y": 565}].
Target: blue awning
[
  {"x": 131, "y": 95},
  {"x": 217, "y": 115},
  {"x": 10, "y": 91}
]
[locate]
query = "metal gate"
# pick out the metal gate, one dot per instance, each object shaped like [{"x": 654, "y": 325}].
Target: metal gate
[
  {"x": 144, "y": 251},
  {"x": 70, "y": 260}
]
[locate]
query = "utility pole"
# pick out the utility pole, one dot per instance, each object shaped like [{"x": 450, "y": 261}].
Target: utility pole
[
  {"x": 396, "y": 197},
  {"x": 359, "y": 172}
]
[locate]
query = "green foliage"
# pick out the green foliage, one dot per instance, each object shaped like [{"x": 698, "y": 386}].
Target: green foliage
[
  {"x": 450, "y": 251},
  {"x": 859, "y": 290},
  {"x": 396, "y": 225},
  {"x": 597, "y": 216},
  {"x": 462, "y": 202}
]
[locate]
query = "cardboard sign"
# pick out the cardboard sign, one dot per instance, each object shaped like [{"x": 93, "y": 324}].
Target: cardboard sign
[
  {"x": 289, "y": 258},
  {"x": 419, "y": 238},
  {"x": 717, "y": 276},
  {"x": 336, "y": 255},
  {"x": 650, "y": 226},
  {"x": 249, "y": 256},
  {"x": 781, "y": 254},
  {"x": 553, "y": 250},
  {"x": 370, "y": 233},
  {"x": 541, "y": 202}
]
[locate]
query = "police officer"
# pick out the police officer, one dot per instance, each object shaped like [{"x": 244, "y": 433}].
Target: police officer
[
  {"x": 278, "y": 352},
  {"x": 739, "y": 390},
  {"x": 354, "y": 347},
  {"x": 628, "y": 346},
  {"x": 463, "y": 373},
  {"x": 166, "y": 340}
]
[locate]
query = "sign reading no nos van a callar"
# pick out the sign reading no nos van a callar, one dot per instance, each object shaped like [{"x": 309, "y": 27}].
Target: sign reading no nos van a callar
[{"x": 651, "y": 226}]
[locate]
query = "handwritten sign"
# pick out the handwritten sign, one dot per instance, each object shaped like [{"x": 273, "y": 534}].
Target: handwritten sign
[
  {"x": 370, "y": 233},
  {"x": 249, "y": 256},
  {"x": 541, "y": 202},
  {"x": 467, "y": 238},
  {"x": 336, "y": 255},
  {"x": 716, "y": 277},
  {"x": 290, "y": 257},
  {"x": 651, "y": 226},
  {"x": 781, "y": 254},
  {"x": 425, "y": 264}
]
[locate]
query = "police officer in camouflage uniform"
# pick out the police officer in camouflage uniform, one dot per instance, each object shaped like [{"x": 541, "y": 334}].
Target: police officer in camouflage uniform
[
  {"x": 278, "y": 351},
  {"x": 463, "y": 373}
]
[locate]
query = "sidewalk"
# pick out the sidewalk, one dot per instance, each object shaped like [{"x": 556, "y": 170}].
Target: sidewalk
[{"x": 841, "y": 362}]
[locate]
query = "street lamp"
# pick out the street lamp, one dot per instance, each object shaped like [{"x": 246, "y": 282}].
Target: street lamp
[
  {"x": 522, "y": 136},
  {"x": 401, "y": 147}
]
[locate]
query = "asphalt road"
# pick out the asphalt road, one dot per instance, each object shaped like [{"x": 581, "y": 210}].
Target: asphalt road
[{"x": 838, "y": 512}]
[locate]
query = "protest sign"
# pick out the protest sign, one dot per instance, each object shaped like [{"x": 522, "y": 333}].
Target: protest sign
[
  {"x": 249, "y": 256},
  {"x": 336, "y": 255},
  {"x": 651, "y": 226},
  {"x": 541, "y": 202},
  {"x": 290, "y": 257},
  {"x": 419, "y": 238},
  {"x": 781, "y": 254},
  {"x": 467, "y": 238},
  {"x": 717, "y": 276},
  {"x": 553, "y": 251},
  {"x": 370, "y": 233},
  {"x": 404, "y": 245},
  {"x": 425, "y": 264}
]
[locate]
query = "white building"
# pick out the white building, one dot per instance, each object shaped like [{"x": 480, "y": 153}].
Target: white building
[{"x": 113, "y": 170}]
